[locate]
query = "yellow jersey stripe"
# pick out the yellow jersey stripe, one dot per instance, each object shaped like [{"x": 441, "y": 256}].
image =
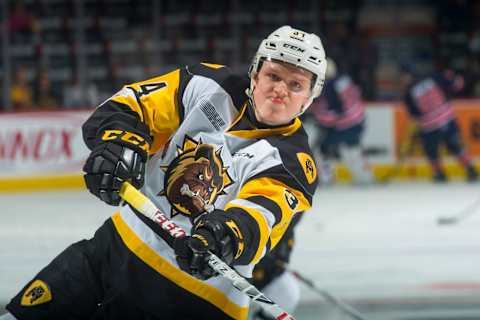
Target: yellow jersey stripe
[
  {"x": 169, "y": 271},
  {"x": 278, "y": 192},
  {"x": 213, "y": 65},
  {"x": 262, "y": 133}
]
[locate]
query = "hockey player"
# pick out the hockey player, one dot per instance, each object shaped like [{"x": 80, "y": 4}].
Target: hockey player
[
  {"x": 225, "y": 157},
  {"x": 428, "y": 102},
  {"x": 340, "y": 116}
]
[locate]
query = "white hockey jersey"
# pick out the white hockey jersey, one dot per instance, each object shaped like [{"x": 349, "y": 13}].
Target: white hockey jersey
[{"x": 207, "y": 153}]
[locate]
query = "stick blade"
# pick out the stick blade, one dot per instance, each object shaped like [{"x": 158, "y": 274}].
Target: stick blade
[{"x": 445, "y": 221}]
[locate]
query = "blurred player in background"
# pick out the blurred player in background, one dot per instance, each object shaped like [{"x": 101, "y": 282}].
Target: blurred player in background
[
  {"x": 340, "y": 116},
  {"x": 272, "y": 277},
  {"x": 428, "y": 102},
  {"x": 223, "y": 156}
]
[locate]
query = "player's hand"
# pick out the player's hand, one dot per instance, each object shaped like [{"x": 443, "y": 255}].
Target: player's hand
[
  {"x": 109, "y": 165},
  {"x": 193, "y": 252},
  {"x": 210, "y": 234}
]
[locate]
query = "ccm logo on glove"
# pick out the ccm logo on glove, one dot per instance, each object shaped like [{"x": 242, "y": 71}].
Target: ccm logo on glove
[
  {"x": 119, "y": 156},
  {"x": 126, "y": 136}
]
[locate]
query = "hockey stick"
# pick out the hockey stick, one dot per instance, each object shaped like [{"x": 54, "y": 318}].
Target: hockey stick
[
  {"x": 460, "y": 215},
  {"x": 327, "y": 296},
  {"x": 146, "y": 207}
]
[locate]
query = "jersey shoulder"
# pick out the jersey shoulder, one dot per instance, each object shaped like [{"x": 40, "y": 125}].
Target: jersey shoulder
[
  {"x": 297, "y": 158},
  {"x": 234, "y": 84}
]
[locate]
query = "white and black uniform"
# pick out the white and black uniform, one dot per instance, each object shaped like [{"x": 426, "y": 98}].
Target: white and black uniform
[{"x": 205, "y": 142}]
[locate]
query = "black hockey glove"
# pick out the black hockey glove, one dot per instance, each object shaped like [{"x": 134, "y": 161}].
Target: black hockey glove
[
  {"x": 120, "y": 156},
  {"x": 210, "y": 234}
]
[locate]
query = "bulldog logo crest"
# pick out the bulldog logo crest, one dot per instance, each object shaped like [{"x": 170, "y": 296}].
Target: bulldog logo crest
[{"x": 195, "y": 179}]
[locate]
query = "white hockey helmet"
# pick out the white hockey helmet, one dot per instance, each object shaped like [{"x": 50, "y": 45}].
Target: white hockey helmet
[{"x": 298, "y": 48}]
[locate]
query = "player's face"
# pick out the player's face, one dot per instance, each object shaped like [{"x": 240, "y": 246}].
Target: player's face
[{"x": 280, "y": 91}]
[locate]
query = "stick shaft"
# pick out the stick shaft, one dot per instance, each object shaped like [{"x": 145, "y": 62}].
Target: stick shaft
[
  {"x": 327, "y": 296},
  {"x": 146, "y": 207}
]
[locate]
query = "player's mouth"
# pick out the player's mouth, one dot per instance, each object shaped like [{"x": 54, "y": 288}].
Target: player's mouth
[{"x": 276, "y": 100}]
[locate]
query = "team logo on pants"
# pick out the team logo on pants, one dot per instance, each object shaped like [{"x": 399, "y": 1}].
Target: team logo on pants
[
  {"x": 195, "y": 179},
  {"x": 37, "y": 293}
]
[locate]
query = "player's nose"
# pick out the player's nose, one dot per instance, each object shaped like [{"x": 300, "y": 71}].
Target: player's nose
[{"x": 280, "y": 88}]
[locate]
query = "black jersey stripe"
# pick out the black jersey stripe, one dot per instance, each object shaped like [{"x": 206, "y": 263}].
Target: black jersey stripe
[
  {"x": 139, "y": 102},
  {"x": 268, "y": 204},
  {"x": 185, "y": 78}
]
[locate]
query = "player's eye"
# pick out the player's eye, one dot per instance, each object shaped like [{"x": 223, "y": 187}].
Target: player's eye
[
  {"x": 274, "y": 77},
  {"x": 295, "y": 86}
]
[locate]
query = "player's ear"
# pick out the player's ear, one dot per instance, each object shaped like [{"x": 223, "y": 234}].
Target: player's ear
[{"x": 255, "y": 78}]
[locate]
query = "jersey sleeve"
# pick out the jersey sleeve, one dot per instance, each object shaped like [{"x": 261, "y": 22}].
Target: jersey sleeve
[
  {"x": 268, "y": 201},
  {"x": 155, "y": 107},
  {"x": 150, "y": 108}
]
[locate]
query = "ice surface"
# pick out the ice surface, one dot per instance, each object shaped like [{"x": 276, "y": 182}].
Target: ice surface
[{"x": 358, "y": 243}]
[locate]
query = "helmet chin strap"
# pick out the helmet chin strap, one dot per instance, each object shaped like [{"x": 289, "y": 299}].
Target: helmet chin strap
[{"x": 249, "y": 93}]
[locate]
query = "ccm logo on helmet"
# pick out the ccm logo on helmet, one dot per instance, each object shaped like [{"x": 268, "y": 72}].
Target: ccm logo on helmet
[{"x": 294, "y": 48}]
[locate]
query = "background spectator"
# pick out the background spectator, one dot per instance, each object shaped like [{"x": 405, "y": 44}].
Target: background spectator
[
  {"x": 20, "y": 92},
  {"x": 45, "y": 96},
  {"x": 21, "y": 23},
  {"x": 74, "y": 96},
  {"x": 134, "y": 39}
]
